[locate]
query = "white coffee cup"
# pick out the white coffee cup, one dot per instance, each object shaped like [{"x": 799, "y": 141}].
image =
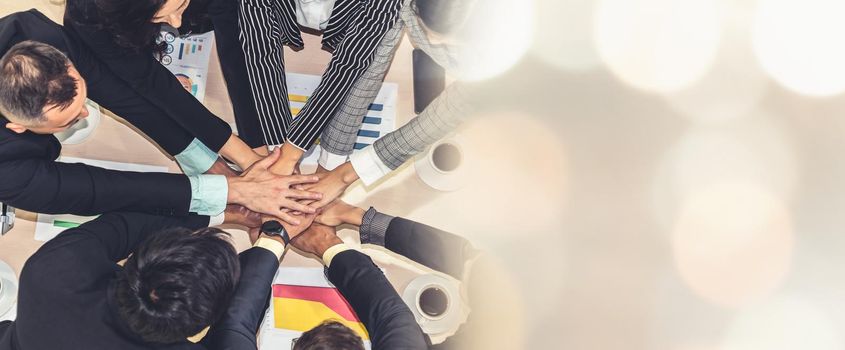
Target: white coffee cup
[
  {"x": 443, "y": 165},
  {"x": 433, "y": 302}
]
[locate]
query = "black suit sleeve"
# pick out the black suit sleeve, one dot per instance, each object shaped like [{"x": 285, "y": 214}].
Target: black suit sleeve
[
  {"x": 153, "y": 81},
  {"x": 237, "y": 329},
  {"x": 46, "y": 186},
  {"x": 79, "y": 258},
  {"x": 114, "y": 94},
  {"x": 224, "y": 16},
  {"x": 388, "y": 320},
  {"x": 110, "y": 237},
  {"x": 119, "y": 234},
  {"x": 434, "y": 248}
]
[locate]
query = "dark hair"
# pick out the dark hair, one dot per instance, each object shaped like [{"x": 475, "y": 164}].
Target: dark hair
[
  {"x": 177, "y": 283},
  {"x": 329, "y": 335},
  {"x": 32, "y": 76},
  {"x": 442, "y": 16},
  {"x": 129, "y": 22}
]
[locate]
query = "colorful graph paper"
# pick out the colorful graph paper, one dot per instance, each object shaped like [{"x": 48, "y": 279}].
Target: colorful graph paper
[{"x": 301, "y": 308}]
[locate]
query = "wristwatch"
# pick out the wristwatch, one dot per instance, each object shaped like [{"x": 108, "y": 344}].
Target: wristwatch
[{"x": 274, "y": 228}]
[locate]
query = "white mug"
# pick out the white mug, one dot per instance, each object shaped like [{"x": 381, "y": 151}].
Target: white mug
[
  {"x": 443, "y": 165},
  {"x": 433, "y": 302}
]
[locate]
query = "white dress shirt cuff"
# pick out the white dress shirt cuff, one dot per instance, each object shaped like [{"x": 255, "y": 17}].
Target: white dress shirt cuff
[
  {"x": 275, "y": 247},
  {"x": 368, "y": 165},
  {"x": 334, "y": 250},
  {"x": 329, "y": 160}
]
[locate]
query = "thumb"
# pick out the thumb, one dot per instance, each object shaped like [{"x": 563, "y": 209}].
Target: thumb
[{"x": 269, "y": 160}]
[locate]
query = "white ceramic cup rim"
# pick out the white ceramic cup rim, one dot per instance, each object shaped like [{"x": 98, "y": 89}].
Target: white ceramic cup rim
[
  {"x": 460, "y": 157},
  {"x": 445, "y": 292}
]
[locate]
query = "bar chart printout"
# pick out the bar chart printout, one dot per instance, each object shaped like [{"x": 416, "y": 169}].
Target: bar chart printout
[
  {"x": 187, "y": 58},
  {"x": 379, "y": 120}
]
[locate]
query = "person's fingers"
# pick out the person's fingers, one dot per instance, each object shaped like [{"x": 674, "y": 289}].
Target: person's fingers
[
  {"x": 296, "y": 206},
  {"x": 293, "y": 180},
  {"x": 268, "y": 160},
  {"x": 306, "y": 201},
  {"x": 320, "y": 219},
  {"x": 320, "y": 203},
  {"x": 290, "y": 219},
  {"x": 301, "y": 194},
  {"x": 254, "y": 233}
]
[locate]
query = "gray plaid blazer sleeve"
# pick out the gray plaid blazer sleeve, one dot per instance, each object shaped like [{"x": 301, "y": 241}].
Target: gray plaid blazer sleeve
[
  {"x": 442, "y": 116},
  {"x": 445, "y": 113},
  {"x": 339, "y": 135}
]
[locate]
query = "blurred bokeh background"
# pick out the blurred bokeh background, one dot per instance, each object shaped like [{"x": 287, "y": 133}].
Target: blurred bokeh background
[{"x": 663, "y": 174}]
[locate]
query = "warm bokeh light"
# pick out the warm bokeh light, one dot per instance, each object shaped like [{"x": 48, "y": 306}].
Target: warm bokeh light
[
  {"x": 784, "y": 323},
  {"x": 658, "y": 45},
  {"x": 733, "y": 243},
  {"x": 496, "y": 36},
  {"x": 801, "y": 44},
  {"x": 756, "y": 151},
  {"x": 523, "y": 191},
  {"x": 563, "y": 36},
  {"x": 735, "y": 83},
  {"x": 498, "y": 302}
]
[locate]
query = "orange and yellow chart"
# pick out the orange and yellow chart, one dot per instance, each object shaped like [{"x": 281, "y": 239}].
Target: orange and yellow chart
[{"x": 300, "y": 308}]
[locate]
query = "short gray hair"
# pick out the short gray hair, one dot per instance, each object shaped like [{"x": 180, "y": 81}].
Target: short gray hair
[{"x": 34, "y": 75}]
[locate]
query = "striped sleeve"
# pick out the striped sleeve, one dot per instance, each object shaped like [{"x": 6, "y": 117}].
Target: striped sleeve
[
  {"x": 342, "y": 16},
  {"x": 266, "y": 27},
  {"x": 351, "y": 59},
  {"x": 340, "y": 134}
]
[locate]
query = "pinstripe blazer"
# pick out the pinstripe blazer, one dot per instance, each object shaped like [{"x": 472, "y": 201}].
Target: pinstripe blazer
[
  {"x": 339, "y": 21},
  {"x": 445, "y": 113}
]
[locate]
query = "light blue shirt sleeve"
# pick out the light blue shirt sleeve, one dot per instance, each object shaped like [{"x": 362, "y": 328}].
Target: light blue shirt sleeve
[
  {"x": 208, "y": 194},
  {"x": 196, "y": 158}
]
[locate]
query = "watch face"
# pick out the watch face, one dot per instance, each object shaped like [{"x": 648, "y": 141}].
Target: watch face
[{"x": 272, "y": 227}]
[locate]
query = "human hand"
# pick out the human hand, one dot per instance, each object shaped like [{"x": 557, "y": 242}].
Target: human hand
[
  {"x": 339, "y": 212},
  {"x": 332, "y": 184},
  {"x": 221, "y": 168},
  {"x": 305, "y": 221},
  {"x": 240, "y": 215},
  {"x": 262, "y": 191},
  {"x": 239, "y": 152},
  {"x": 289, "y": 159},
  {"x": 293, "y": 230},
  {"x": 316, "y": 240},
  {"x": 321, "y": 170}
]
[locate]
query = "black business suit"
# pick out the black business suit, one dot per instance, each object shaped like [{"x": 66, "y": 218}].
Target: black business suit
[
  {"x": 30, "y": 178},
  {"x": 441, "y": 251},
  {"x": 436, "y": 249},
  {"x": 149, "y": 78},
  {"x": 66, "y": 298},
  {"x": 388, "y": 320},
  {"x": 246, "y": 309}
]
